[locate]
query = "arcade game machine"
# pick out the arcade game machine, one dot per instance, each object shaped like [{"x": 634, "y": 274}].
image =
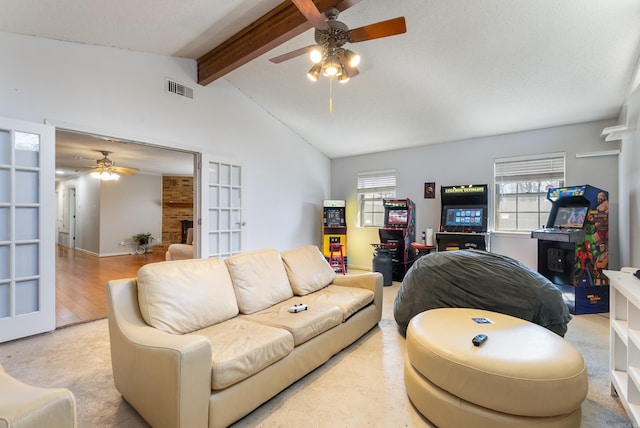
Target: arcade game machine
[
  {"x": 398, "y": 233},
  {"x": 572, "y": 247},
  {"x": 463, "y": 220},
  {"x": 334, "y": 229}
]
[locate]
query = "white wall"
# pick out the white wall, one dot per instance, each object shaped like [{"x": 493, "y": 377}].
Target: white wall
[
  {"x": 109, "y": 212},
  {"x": 129, "y": 206},
  {"x": 630, "y": 184},
  {"x": 120, "y": 94},
  {"x": 471, "y": 162},
  {"x": 63, "y": 216},
  {"x": 88, "y": 214}
]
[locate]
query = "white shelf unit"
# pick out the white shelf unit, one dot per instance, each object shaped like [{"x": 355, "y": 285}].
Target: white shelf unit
[{"x": 624, "y": 341}]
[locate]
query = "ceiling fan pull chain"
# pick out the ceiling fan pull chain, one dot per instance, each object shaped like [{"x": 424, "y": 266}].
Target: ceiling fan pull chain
[{"x": 330, "y": 95}]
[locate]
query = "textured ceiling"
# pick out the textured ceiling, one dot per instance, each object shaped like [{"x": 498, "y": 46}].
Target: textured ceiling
[{"x": 464, "y": 69}]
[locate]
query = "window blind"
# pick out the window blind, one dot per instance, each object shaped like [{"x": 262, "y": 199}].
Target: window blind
[
  {"x": 376, "y": 181},
  {"x": 515, "y": 169}
]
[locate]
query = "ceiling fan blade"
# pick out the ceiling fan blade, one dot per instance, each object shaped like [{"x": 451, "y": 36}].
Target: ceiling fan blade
[
  {"x": 125, "y": 171},
  {"x": 83, "y": 158},
  {"x": 292, "y": 54},
  {"x": 311, "y": 12},
  {"x": 380, "y": 29}
]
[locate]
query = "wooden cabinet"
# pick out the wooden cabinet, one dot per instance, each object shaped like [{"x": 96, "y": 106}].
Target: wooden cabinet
[{"x": 624, "y": 340}]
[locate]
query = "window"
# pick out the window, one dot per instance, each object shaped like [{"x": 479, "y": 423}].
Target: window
[
  {"x": 521, "y": 186},
  {"x": 373, "y": 187}
]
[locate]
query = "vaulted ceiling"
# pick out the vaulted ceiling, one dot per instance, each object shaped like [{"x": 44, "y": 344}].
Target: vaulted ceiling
[{"x": 463, "y": 69}]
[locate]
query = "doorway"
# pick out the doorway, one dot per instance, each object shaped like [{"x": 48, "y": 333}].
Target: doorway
[{"x": 83, "y": 265}]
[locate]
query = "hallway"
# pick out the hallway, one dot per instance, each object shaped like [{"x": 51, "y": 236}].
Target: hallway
[{"x": 80, "y": 281}]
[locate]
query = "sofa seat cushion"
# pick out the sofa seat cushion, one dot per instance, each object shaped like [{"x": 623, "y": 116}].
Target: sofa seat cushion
[
  {"x": 259, "y": 279},
  {"x": 349, "y": 299},
  {"x": 303, "y": 325},
  {"x": 307, "y": 269},
  {"x": 185, "y": 295},
  {"x": 241, "y": 348}
]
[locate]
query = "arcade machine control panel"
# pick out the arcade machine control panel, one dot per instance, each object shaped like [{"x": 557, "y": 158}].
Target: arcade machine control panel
[{"x": 566, "y": 226}]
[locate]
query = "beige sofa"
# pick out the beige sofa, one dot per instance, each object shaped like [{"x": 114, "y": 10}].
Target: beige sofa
[
  {"x": 203, "y": 342},
  {"x": 27, "y": 406}
]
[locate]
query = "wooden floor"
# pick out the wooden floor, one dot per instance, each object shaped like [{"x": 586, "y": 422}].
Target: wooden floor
[{"x": 80, "y": 280}]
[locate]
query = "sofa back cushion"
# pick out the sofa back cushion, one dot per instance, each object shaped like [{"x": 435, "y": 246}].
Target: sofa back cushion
[
  {"x": 307, "y": 269},
  {"x": 186, "y": 295},
  {"x": 259, "y": 279}
]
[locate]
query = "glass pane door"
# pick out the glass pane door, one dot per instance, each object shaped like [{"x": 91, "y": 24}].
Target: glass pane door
[
  {"x": 222, "y": 225},
  {"x": 27, "y": 264}
]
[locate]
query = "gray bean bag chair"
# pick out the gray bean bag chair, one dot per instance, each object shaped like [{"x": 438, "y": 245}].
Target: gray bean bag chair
[{"x": 480, "y": 280}]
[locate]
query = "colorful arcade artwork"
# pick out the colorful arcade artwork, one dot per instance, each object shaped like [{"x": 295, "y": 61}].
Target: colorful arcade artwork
[{"x": 573, "y": 247}]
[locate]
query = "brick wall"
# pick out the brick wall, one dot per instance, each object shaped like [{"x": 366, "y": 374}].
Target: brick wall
[{"x": 177, "y": 205}]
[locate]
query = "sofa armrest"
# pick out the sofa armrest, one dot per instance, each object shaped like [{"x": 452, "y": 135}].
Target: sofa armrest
[
  {"x": 371, "y": 281},
  {"x": 23, "y": 405},
  {"x": 165, "y": 377}
]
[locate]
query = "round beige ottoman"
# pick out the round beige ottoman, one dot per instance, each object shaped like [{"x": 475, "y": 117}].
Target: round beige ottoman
[{"x": 523, "y": 375}]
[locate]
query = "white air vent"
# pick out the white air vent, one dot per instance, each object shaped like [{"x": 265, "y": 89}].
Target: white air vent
[{"x": 178, "y": 89}]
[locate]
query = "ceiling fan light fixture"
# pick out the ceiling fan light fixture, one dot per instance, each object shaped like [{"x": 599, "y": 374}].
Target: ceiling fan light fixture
[
  {"x": 332, "y": 66},
  {"x": 105, "y": 175},
  {"x": 316, "y": 54},
  {"x": 314, "y": 72},
  {"x": 331, "y": 35},
  {"x": 352, "y": 58},
  {"x": 344, "y": 76}
]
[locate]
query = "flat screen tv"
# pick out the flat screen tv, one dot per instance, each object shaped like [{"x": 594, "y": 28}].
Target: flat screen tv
[
  {"x": 464, "y": 217},
  {"x": 397, "y": 218},
  {"x": 570, "y": 217}
]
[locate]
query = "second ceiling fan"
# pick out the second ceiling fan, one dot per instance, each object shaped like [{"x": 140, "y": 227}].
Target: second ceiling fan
[
  {"x": 329, "y": 54},
  {"x": 105, "y": 169}
]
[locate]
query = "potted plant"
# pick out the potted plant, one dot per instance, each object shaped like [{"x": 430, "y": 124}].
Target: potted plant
[{"x": 143, "y": 238}]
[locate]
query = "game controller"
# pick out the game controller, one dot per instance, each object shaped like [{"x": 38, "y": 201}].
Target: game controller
[{"x": 298, "y": 308}]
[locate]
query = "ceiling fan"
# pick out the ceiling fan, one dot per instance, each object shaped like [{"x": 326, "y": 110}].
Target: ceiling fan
[
  {"x": 105, "y": 169},
  {"x": 330, "y": 57}
]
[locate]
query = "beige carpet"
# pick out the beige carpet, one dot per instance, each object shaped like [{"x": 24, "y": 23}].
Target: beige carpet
[{"x": 360, "y": 387}]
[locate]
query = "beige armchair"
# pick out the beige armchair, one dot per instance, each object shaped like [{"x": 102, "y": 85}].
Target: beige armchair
[
  {"x": 181, "y": 251},
  {"x": 26, "y": 406}
]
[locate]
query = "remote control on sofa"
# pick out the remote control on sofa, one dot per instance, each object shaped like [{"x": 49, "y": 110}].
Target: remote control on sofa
[{"x": 298, "y": 308}]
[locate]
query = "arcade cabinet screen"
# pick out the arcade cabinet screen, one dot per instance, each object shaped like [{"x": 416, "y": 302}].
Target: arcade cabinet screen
[
  {"x": 333, "y": 218},
  {"x": 397, "y": 217},
  {"x": 570, "y": 217},
  {"x": 464, "y": 217}
]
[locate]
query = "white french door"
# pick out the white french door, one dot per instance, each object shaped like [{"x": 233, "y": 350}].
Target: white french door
[
  {"x": 27, "y": 229},
  {"x": 221, "y": 225}
]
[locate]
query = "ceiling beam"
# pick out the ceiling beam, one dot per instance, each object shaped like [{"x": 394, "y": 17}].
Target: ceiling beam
[{"x": 276, "y": 27}]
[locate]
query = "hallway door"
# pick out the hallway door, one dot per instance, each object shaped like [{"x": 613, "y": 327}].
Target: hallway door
[{"x": 27, "y": 229}]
